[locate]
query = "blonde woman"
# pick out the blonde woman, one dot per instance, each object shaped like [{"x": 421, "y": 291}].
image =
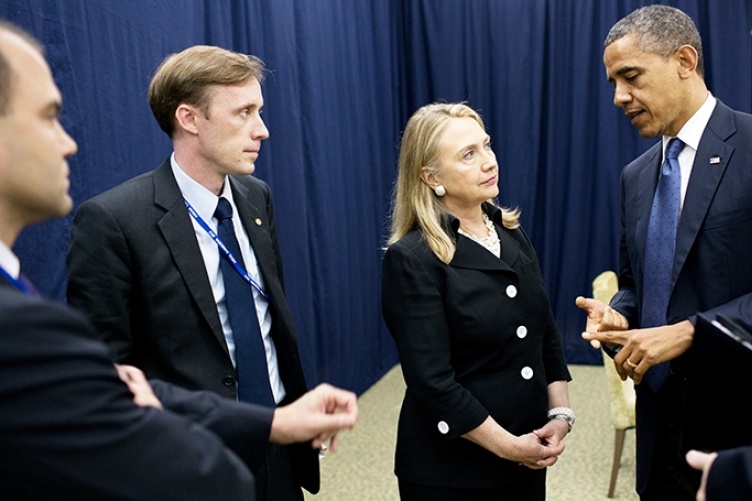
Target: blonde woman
[{"x": 486, "y": 408}]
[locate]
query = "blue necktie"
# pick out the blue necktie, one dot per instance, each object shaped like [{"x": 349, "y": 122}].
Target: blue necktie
[
  {"x": 250, "y": 355},
  {"x": 659, "y": 252}
]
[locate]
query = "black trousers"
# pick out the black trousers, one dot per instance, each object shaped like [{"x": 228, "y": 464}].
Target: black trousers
[
  {"x": 528, "y": 490},
  {"x": 668, "y": 481},
  {"x": 275, "y": 480}
]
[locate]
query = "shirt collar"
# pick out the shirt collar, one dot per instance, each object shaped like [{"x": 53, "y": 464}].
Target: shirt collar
[
  {"x": 201, "y": 198},
  {"x": 9, "y": 261},
  {"x": 692, "y": 131},
  {"x": 452, "y": 224}
]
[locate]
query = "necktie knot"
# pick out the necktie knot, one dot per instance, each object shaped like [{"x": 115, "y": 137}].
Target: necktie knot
[
  {"x": 224, "y": 209},
  {"x": 674, "y": 148}
]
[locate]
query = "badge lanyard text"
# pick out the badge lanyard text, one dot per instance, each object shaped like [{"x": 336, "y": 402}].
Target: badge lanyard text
[{"x": 227, "y": 254}]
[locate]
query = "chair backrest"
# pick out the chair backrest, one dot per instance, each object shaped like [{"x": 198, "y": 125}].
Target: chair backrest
[{"x": 621, "y": 393}]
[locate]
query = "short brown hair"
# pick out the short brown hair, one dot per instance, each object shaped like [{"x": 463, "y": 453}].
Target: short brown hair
[
  {"x": 186, "y": 76},
  {"x": 6, "y": 72}
]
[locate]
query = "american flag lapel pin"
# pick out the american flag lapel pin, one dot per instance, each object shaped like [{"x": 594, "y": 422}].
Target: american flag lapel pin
[{"x": 715, "y": 159}]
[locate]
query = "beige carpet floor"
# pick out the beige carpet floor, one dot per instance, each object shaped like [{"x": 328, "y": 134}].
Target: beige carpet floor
[{"x": 362, "y": 470}]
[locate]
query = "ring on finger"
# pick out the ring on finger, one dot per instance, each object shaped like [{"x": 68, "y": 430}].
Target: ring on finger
[{"x": 632, "y": 365}]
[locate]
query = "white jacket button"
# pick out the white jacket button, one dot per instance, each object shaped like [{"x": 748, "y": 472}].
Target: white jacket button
[{"x": 443, "y": 427}]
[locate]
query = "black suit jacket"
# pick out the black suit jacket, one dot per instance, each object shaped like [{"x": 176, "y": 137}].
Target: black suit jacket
[
  {"x": 731, "y": 475},
  {"x": 135, "y": 268},
  {"x": 475, "y": 338},
  {"x": 69, "y": 428},
  {"x": 713, "y": 263}
]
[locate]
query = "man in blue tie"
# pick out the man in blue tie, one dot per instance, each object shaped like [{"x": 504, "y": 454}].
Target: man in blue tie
[
  {"x": 180, "y": 268},
  {"x": 686, "y": 229},
  {"x": 73, "y": 425}
]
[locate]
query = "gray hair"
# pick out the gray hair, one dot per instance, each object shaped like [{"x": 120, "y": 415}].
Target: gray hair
[{"x": 659, "y": 29}]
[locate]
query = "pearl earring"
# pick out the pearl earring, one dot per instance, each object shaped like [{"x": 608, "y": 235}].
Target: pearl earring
[{"x": 440, "y": 190}]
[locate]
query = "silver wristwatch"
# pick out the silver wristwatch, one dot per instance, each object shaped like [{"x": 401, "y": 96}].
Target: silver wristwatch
[{"x": 564, "y": 413}]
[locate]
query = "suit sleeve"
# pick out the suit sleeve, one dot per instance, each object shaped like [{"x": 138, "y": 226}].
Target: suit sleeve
[
  {"x": 739, "y": 310},
  {"x": 244, "y": 428},
  {"x": 413, "y": 309},
  {"x": 69, "y": 428},
  {"x": 731, "y": 475},
  {"x": 100, "y": 280}
]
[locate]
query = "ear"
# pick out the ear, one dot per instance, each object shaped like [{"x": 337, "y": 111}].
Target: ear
[
  {"x": 687, "y": 57},
  {"x": 429, "y": 177},
  {"x": 185, "y": 118}
]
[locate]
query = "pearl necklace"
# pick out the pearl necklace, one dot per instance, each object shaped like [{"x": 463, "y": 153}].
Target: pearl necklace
[{"x": 490, "y": 241}]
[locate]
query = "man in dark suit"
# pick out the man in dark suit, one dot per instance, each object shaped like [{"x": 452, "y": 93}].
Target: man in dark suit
[
  {"x": 653, "y": 57},
  {"x": 72, "y": 425},
  {"x": 146, "y": 259},
  {"x": 726, "y": 474}
]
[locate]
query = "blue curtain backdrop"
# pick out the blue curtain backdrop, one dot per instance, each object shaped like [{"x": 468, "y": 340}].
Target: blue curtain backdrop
[{"x": 344, "y": 77}]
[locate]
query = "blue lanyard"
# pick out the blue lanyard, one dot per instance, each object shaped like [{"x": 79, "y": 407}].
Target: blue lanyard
[
  {"x": 14, "y": 281},
  {"x": 238, "y": 267}
]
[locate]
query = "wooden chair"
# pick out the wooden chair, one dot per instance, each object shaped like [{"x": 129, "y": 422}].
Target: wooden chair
[{"x": 621, "y": 393}]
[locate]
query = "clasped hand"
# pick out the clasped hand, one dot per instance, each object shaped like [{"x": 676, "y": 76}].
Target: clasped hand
[{"x": 541, "y": 448}]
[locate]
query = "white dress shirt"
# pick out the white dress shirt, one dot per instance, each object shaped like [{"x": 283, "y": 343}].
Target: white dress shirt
[
  {"x": 9, "y": 261},
  {"x": 690, "y": 135},
  {"x": 205, "y": 203}
]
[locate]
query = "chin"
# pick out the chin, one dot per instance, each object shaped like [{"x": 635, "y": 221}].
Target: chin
[
  {"x": 242, "y": 169},
  {"x": 61, "y": 210},
  {"x": 248, "y": 168},
  {"x": 67, "y": 206},
  {"x": 647, "y": 134},
  {"x": 649, "y": 131}
]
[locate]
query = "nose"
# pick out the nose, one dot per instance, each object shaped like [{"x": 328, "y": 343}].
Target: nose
[
  {"x": 489, "y": 162},
  {"x": 621, "y": 96},
  {"x": 260, "y": 132},
  {"x": 68, "y": 145}
]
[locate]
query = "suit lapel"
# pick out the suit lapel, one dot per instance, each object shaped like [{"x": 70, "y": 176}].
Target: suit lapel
[
  {"x": 256, "y": 226},
  {"x": 703, "y": 182},
  {"x": 472, "y": 255},
  {"x": 179, "y": 234}
]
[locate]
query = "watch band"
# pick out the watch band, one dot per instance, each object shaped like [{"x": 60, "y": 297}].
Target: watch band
[{"x": 563, "y": 413}]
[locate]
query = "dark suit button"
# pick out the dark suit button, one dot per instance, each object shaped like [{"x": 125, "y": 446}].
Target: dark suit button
[{"x": 228, "y": 381}]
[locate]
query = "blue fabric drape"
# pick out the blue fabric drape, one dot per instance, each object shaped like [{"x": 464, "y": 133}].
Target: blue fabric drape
[{"x": 344, "y": 77}]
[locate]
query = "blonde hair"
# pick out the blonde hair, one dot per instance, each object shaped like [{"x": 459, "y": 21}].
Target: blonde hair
[
  {"x": 186, "y": 77},
  {"x": 414, "y": 203}
]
